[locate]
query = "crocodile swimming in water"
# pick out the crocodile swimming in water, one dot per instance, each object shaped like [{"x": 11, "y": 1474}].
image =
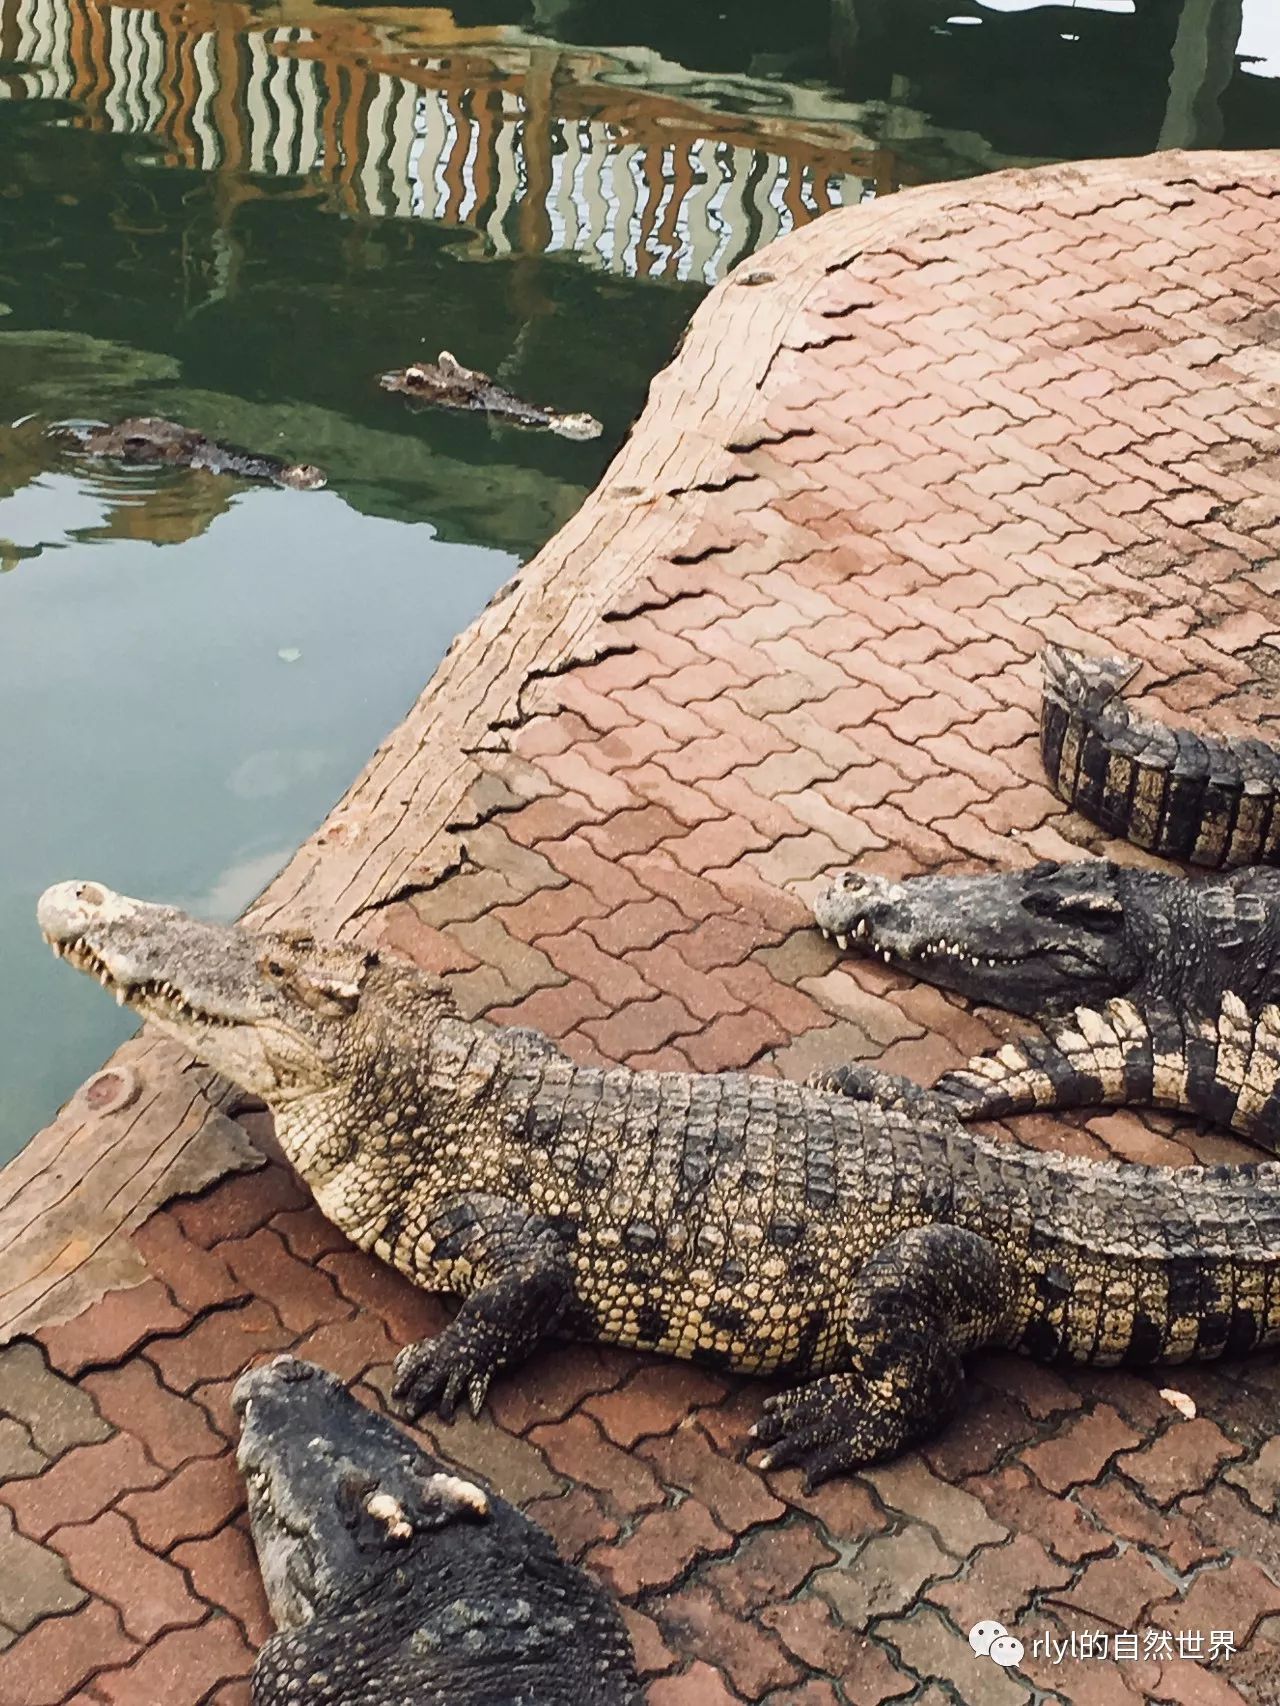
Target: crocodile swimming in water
[
  {"x": 394, "y": 1582},
  {"x": 450, "y": 385},
  {"x": 1210, "y": 799},
  {"x": 149, "y": 439},
  {"x": 751, "y": 1223},
  {"x": 1153, "y": 988}
]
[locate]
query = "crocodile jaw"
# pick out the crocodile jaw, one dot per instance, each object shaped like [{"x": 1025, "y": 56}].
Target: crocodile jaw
[
  {"x": 1032, "y": 941},
  {"x": 196, "y": 982},
  {"x": 337, "y": 1497}
]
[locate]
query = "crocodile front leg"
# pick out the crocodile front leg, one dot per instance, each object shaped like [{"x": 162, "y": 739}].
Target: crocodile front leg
[
  {"x": 924, "y": 1300},
  {"x": 516, "y": 1272}
]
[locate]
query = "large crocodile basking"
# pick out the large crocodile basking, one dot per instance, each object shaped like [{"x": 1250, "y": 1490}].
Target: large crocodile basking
[
  {"x": 394, "y": 1582},
  {"x": 1169, "y": 985},
  {"x": 1209, "y": 799},
  {"x": 448, "y": 384},
  {"x": 742, "y": 1221},
  {"x": 149, "y": 439}
]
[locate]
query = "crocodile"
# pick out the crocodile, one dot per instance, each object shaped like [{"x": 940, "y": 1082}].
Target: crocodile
[
  {"x": 148, "y": 438},
  {"x": 861, "y": 1252},
  {"x": 450, "y": 385},
  {"x": 1209, "y": 799},
  {"x": 1153, "y": 988},
  {"x": 395, "y": 1582}
]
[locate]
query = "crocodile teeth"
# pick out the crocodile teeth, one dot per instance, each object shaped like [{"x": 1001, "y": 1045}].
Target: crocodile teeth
[
  {"x": 842, "y": 941},
  {"x": 826, "y": 934},
  {"x": 862, "y": 927}
]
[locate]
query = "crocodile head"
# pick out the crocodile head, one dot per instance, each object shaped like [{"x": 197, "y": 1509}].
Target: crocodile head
[
  {"x": 393, "y": 1580},
  {"x": 575, "y": 426},
  {"x": 438, "y": 378},
  {"x": 339, "y": 1499},
  {"x": 1033, "y": 941},
  {"x": 281, "y": 1015},
  {"x": 303, "y": 477}
]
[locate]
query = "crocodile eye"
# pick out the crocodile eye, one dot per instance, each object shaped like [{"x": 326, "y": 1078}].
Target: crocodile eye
[{"x": 274, "y": 969}]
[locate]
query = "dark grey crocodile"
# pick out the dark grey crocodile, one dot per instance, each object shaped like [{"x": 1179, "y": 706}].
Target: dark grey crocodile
[
  {"x": 149, "y": 439},
  {"x": 394, "y": 1582},
  {"x": 1210, "y": 799},
  {"x": 450, "y": 385},
  {"x": 1171, "y": 983},
  {"x": 745, "y": 1222}
]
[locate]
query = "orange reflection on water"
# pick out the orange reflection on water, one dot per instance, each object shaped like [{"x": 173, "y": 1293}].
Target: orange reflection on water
[{"x": 402, "y": 115}]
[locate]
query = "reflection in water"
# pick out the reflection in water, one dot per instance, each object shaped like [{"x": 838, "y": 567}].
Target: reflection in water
[
  {"x": 164, "y": 506},
  {"x": 235, "y": 888},
  {"x": 527, "y": 146}
]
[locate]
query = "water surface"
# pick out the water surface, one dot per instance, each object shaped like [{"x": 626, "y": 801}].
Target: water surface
[{"x": 238, "y": 217}]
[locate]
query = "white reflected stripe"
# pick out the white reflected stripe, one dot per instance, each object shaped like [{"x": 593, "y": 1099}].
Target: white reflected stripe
[
  {"x": 556, "y": 196},
  {"x": 717, "y": 225},
  {"x": 115, "y": 107},
  {"x": 398, "y": 175},
  {"x": 633, "y": 195},
  {"x": 469, "y": 196},
  {"x": 448, "y": 143},
  {"x": 206, "y": 69},
  {"x": 369, "y": 177},
  {"x": 509, "y": 171},
  {"x": 282, "y": 98},
  {"x": 311, "y": 100},
  {"x": 152, "y": 47},
  {"x": 258, "y": 105}
]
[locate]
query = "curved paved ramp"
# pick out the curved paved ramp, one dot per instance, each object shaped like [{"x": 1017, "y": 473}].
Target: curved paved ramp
[{"x": 797, "y": 623}]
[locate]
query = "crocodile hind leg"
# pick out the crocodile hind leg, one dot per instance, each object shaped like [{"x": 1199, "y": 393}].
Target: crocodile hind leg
[
  {"x": 516, "y": 1271},
  {"x": 929, "y": 1296},
  {"x": 1225, "y": 1068}
]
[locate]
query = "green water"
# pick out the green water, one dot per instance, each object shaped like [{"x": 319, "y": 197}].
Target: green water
[{"x": 238, "y": 218}]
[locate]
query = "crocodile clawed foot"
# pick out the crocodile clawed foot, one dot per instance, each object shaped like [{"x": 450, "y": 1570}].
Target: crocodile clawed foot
[
  {"x": 885, "y": 1090},
  {"x": 858, "y": 1083},
  {"x": 435, "y": 1374},
  {"x": 806, "y": 1429}
]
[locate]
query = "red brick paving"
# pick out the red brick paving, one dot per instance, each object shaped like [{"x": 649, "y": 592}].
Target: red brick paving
[{"x": 1038, "y": 409}]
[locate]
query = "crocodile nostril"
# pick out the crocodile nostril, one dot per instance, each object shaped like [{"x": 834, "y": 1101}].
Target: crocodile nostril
[{"x": 90, "y": 894}]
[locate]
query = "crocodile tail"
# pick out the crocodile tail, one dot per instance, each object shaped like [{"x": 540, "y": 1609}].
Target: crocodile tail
[
  {"x": 1225, "y": 1069},
  {"x": 1209, "y": 800}
]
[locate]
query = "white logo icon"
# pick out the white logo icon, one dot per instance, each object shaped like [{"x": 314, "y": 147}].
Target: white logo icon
[{"x": 991, "y": 1640}]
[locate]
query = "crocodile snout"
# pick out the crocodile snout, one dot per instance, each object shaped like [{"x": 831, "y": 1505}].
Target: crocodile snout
[
  {"x": 854, "y": 903},
  {"x": 66, "y": 910}
]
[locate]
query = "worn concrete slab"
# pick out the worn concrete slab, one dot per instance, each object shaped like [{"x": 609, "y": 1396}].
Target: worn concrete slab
[{"x": 797, "y": 624}]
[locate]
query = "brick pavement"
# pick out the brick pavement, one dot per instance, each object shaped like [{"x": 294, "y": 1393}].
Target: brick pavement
[{"x": 1037, "y": 406}]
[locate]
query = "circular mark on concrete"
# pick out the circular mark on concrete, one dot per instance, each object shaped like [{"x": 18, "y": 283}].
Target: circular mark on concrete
[{"x": 112, "y": 1090}]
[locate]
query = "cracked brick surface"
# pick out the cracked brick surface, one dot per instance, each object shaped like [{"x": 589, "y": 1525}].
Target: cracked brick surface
[{"x": 1037, "y": 406}]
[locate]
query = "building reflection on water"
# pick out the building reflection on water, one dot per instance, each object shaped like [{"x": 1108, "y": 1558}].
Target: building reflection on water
[
  {"x": 440, "y": 142},
  {"x": 533, "y": 147}
]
